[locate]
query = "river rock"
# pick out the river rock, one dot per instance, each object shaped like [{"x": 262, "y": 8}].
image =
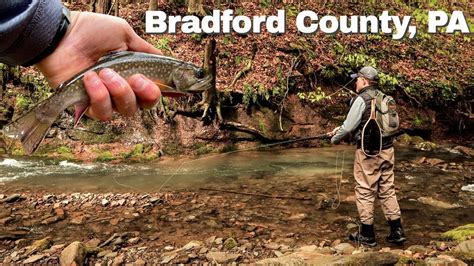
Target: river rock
[
  {"x": 34, "y": 258},
  {"x": 310, "y": 248},
  {"x": 434, "y": 161},
  {"x": 222, "y": 257},
  {"x": 119, "y": 260},
  {"x": 368, "y": 258},
  {"x": 39, "y": 245},
  {"x": 297, "y": 217},
  {"x": 419, "y": 249},
  {"x": 93, "y": 243},
  {"x": 192, "y": 245},
  {"x": 104, "y": 202},
  {"x": 465, "y": 246},
  {"x": 78, "y": 220},
  {"x": 465, "y": 150},
  {"x": 75, "y": 253},
  {"x": 444, "y": 260},
  {"x": 460, "y": 233},
  {"x": 12, "y": 198},
  {"x": 168, "y": 258},
  {"x": 436, "y": 203},
  {"x": 426, "y": 146},
  {"x": 230, "y": 243},
  {"x": 133, "y": 241},
  {"x": 344, "y": 248},
  {"x": 139, "y": 262},
  {"x": 299, "y": 258}
]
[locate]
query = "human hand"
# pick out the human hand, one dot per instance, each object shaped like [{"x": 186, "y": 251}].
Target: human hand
[
  {"x": 89, "y": 37},
  {"x": 333, "y": 132}
]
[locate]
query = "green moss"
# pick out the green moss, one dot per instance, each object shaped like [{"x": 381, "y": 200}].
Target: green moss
[
  {"x": 135, "y": 152},
  {"x": 416, "y": 140},
  {"x": 426, "y": 146},
  {"x": 105, "y": 156},
  {"x": 405, "y": 139},
  {"x": 22, "y": 102},
  {"x": 230, "y": 243},
  {"x": 460, "y": 233},
  {"x": 228, "y": 148},
  {"x": 18, "y": 152},
  {"x": 201, "y": 148},
  {"x": 409, "y": 261},
  {"x": 63, "y": 150},
  {"x": 172, "y": 148}
]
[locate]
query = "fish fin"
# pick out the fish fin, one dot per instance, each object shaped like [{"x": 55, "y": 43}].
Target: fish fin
[
  {"x": 79, "y": 111},
  {"x": 167, "y": 90},
  {"x": 29, "y": 130}
]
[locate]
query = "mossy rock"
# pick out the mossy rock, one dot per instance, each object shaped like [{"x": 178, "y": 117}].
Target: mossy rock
[
  {"x": 460, "y": 233},
  {"x": 202, "y": 148},
  {"x": 405, "y": 139},
  {"x": 172, "y": 148},
  {"x": 230, "y": 243},
  {"x": 409, "y": 261},
  {"x": 426, "y": 146},
  {"x": 416, "y": 139},
  {"x": 105, "y": 156}
]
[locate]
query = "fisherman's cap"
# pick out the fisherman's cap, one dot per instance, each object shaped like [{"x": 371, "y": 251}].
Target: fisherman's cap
[{"x": 367, "y": 72}]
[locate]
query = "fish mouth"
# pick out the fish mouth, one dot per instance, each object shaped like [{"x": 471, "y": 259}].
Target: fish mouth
[{"x": 200, "y": 86}]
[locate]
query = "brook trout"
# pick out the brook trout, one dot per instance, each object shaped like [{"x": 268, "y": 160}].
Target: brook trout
[{"x": 174, "y": 78}]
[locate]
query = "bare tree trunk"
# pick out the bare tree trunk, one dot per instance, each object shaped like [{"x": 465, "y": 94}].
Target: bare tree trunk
[
  {"x": 117, "y": 8},
  {"x": 153, "y": 5},
  {"x": 211, "y": 97},
  {"x": 102, "y": 6},
  {"x": 196, "y": 7}
]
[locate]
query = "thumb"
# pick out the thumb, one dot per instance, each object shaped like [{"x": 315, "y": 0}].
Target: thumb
[{"x": 137, "y": 44}]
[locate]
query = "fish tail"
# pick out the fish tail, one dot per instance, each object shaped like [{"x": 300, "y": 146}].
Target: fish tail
[{"x": 30, "y": 129}]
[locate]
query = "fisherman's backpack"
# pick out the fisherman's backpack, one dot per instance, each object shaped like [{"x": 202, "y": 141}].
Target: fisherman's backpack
[
  {"x": 386, "y": 113},
  {"x": 383, "y": 122}
]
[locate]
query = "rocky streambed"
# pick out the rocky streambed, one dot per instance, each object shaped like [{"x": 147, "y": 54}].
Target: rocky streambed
[{"x": 252, "y": 219}]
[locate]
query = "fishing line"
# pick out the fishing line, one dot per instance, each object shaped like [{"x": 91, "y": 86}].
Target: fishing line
[
  {"x": 338, "y": 184},
  {"x": 338, "y": 175}
]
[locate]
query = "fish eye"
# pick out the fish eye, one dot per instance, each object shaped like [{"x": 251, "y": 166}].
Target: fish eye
[{"x": 199, "y": 73}]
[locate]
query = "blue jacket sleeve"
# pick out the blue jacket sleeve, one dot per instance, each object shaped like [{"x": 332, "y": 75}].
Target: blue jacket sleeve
[{"x": 27, "y": 27}]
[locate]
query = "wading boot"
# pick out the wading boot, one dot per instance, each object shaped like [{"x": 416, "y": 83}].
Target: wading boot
[
  {"x": 365, "y": 235},
  {"x": 397, "y": 235}
]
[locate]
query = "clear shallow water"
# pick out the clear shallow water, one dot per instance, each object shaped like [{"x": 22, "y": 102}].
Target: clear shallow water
[{"x": 212, "y": 169}]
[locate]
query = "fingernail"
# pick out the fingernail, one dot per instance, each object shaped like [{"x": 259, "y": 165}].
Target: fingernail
[
  {"x": 140, "y": 83},
  {"x": 108, "y": 75},
  {"x": 92, "y": 78}
]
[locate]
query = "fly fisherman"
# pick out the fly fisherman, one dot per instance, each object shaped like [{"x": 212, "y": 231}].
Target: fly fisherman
[
  {"x": 62, "y": 43},
  {"x": 373, "y": 174}
]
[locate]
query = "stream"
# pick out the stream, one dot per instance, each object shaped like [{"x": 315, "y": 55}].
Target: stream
[{"x": 314, "y": 173}]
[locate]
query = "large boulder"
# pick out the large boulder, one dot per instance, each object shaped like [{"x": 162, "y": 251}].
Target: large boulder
[{"x": 74, "y": 254}]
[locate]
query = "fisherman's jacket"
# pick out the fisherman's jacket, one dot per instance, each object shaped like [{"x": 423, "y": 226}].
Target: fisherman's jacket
[
  {"x": 27, "y": 28},
  {"x": 356, "y": 119}
]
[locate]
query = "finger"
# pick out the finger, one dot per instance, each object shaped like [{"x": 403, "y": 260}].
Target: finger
[
  {"x": 122, "y": 95},
  {"x": 146, "y": 91},
  {"x": 100, "y": 106},
  {"x": 136, "y": 43}
]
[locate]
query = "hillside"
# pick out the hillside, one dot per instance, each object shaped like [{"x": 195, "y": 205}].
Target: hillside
[{"x": 289, "y": 85}]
